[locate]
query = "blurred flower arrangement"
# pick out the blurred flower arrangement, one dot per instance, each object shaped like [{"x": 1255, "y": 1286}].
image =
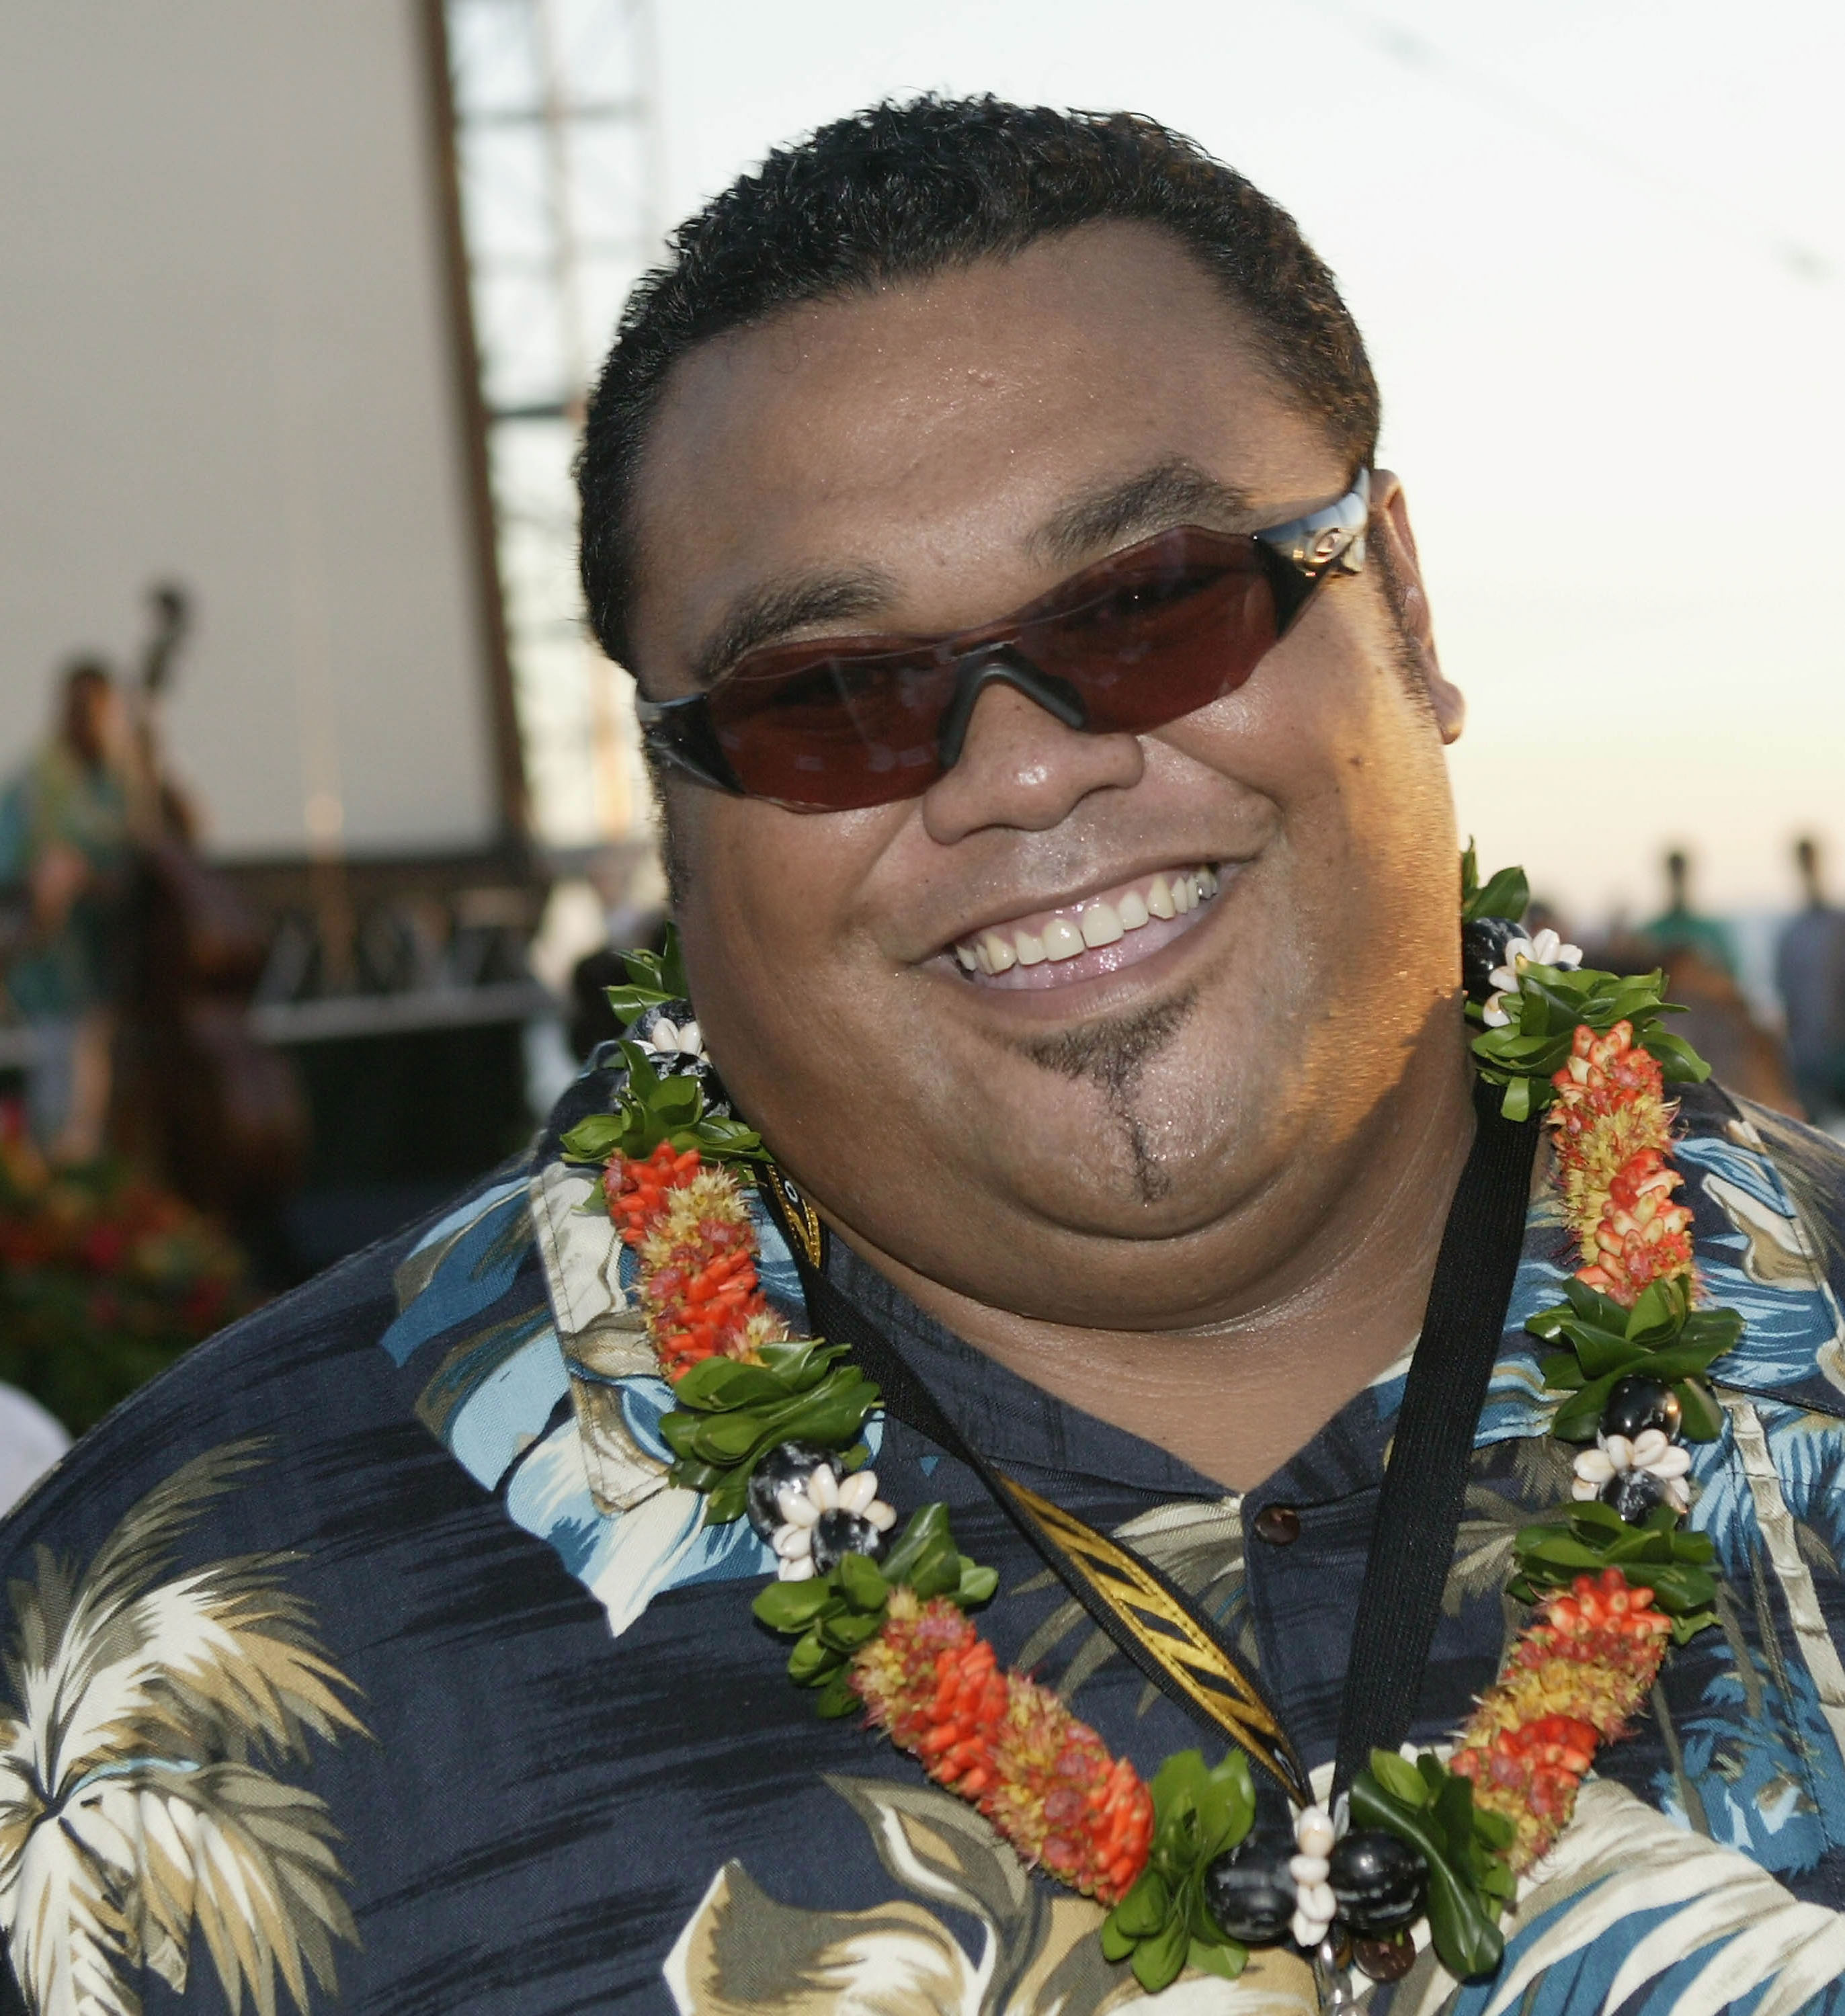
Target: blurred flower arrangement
[{"x": 104, "y": 1278}]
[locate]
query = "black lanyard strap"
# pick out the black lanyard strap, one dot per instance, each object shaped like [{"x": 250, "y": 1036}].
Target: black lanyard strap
[
  {"x": 1424, "y": 1488},
  {"x": 1155, "y": 1623},
  {"x": 1145, "y": 1614}
]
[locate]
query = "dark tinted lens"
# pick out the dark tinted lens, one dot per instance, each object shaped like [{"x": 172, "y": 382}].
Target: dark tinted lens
[
  {"x": 1185, "y": 621},
  {"x": 1144, "y": 636},
  {"x": 833, "y": 732}
]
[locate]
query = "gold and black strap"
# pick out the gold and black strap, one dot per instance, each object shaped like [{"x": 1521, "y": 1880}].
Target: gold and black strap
[
  {"x": 799, "y": 1221},
  {"x": 1147, "y": 1617},
  {"x": 1166, "y": 1625},
  {"x": 1156, "y": 1624}
]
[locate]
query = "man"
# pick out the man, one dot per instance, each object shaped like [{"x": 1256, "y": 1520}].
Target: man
[
  {"x": 1681, "y": 926},
  {"x": 1107, "y": 1032},
  {"x": 1809, "y": 975}
]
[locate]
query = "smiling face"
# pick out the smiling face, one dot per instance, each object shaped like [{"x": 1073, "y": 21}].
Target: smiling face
[{"x": 1096, "y": 1030}]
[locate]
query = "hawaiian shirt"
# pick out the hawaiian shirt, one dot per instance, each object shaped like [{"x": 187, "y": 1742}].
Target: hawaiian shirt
[{"x": 370, "y": 1661}]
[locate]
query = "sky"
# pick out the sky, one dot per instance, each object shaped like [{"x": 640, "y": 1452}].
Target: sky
[{"x": 1599, "y": 253}]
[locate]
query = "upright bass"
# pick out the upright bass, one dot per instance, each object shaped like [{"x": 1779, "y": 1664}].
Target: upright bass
[{"x": 218, "y": 1115}]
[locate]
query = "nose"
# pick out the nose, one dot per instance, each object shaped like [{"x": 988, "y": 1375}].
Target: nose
[
  {"x": 1005, "y": 667},
  {"x": 1022, "y": 765}
]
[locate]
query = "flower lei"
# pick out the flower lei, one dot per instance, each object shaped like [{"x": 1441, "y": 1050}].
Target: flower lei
[{"x": 768, "y": 1426}]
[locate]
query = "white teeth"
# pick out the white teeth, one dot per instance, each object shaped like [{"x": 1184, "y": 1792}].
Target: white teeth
[
  {"x": 1100, "y": 926},
  {"x": 1101, "y": 923}
]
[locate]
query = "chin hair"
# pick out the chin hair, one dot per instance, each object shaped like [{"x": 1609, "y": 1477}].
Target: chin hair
[{"x": 1110, "y": 1054}]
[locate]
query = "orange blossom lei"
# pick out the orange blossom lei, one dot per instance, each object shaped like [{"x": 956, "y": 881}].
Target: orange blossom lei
[{"x": 767, "y": 1424}]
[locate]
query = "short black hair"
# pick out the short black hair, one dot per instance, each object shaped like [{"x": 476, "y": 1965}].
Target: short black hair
[{"x": 902, "y": 192}]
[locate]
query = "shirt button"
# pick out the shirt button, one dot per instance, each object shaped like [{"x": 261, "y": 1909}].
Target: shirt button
[{"x": 1278, "y": 1524}]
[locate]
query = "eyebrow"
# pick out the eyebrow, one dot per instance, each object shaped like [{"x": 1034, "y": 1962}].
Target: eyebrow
[
  {"x": 774, "y": 610},
  {"x": 1174, "y": 492}
]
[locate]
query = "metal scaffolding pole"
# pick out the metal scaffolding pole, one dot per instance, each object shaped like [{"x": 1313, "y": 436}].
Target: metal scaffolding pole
[{"x": 557, "y": 141}]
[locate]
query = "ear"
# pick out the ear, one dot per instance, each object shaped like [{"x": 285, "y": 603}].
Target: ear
[{"x": 1390, "y": 527}]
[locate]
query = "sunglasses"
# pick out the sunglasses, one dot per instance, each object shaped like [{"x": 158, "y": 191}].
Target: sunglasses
[{"x": 1153, "y": 632}]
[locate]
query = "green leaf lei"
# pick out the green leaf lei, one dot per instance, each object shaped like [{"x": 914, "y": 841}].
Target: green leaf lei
[
  {"x": 1662, "y": 1338},
  {"x": 651, "y": 1109},
  {"x": 1552, "y": 1002},
  {"x": 1163, "y": 1922},
  {"x": 1469, "y": 1882},
  {"x": 727, "y": 1415},
  {"x": 831, "y": 1616}
]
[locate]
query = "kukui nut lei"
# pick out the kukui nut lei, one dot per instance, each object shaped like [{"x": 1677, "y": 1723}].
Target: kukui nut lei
[{"x": 768, "y": 1426}]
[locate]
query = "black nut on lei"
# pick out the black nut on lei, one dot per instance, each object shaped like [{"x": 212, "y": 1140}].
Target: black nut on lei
[
  {"x": 1483, "y": 947},
  {"x": 1249, "y": 1893},
  {"x": 787, "y": 1462},
  {"x": 837, "y": 1534},
  {"x": 1632, "y": 1494},
  {"x": 1379, "y": 1882},
  {"x": 1637, "y": 1403}
]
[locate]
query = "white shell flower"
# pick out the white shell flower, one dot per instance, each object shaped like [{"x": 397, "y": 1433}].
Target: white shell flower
[
  {"x": 1493, "y": 1014},
  {"x": 1315, "y": 1831},
  {"x": 800, "y": 1505},
  {"x": 1652, "y": 1451},
  {"x": 1546, "y": 949},
  {"x": 685, "y": 1039}
]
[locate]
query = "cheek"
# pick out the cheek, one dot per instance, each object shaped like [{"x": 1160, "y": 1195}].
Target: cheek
[
  {"x": 1343, "y": 751},
  {"x": 770, "y": 917},
  {"x": 1331, "y": 730}
]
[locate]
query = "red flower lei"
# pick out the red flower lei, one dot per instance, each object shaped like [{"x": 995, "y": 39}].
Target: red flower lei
[
  {"x": 928, "y": 1679},
  {"x": 1572, "y": 1680}
]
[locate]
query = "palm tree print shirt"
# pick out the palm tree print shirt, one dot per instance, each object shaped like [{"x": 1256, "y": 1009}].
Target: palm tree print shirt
[{"x": 368, "y": 1661}]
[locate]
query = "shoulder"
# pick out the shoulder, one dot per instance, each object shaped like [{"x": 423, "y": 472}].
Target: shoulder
[
  {"x": 1768, "y": 1197},
  {"x": 257, "y": 1629}
]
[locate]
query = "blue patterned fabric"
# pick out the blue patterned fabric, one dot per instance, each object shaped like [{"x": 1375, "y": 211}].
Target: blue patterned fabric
[{"x": 396, "y": 1675}]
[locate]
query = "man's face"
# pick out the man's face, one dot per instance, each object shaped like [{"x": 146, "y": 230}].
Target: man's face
[{"x": 1132, "y": 1135}]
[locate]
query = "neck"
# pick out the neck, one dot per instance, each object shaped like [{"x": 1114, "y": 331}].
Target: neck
[{"x": 1236, "y": 1396}]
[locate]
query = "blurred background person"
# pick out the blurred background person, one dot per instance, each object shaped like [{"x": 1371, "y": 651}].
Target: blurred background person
[
  {"x": 1680, "y": 927},
  {"x": 69, "y": 825},
  {"x": 1809, "y": 976},
  {"x": 1699, "y": 955}
]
